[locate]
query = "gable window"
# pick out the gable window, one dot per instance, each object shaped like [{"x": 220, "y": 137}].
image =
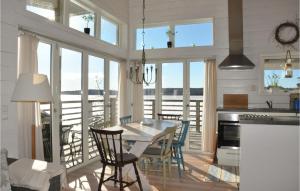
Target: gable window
[
  {"x": 274, "y": 75},
  {"x": 155, "y": 37},
  {"x": 44, "y": 8},
  {"x": 196, "y": 34},
  {"x": 109, "y": 31},
  {"x": 81, "y": 18}
]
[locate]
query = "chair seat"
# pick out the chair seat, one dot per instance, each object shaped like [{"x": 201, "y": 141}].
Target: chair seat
[
  {"x": 152, "y": 151},
  {"x": 127, "y": 158},
  {"x": 174, "y": 142}
]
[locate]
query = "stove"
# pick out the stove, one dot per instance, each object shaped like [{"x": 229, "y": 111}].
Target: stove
[{"x": 253, "y": 116}]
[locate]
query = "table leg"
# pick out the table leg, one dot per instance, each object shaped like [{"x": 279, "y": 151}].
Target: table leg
[{"x": 137, "y": 149}]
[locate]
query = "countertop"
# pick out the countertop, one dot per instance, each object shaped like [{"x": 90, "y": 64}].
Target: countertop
[
  {"x": 273, "y": 110},
  {"x": 273, "y": 120}
]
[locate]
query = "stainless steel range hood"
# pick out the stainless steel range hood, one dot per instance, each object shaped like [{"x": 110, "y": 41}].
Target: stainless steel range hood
[{"x": 236, "y": 60}]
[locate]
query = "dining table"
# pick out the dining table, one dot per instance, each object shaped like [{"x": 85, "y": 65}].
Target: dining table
[{"x": 142, "y": 134}]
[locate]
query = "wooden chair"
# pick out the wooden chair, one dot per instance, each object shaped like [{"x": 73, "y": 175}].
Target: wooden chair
[
  {"x": 168, "y": 116},
  {"x": 125, "y": 119},
  {"x": 110, "y": 154},
  {"x": 177, "y": 144},
  {"x": 162, "y": 153}
]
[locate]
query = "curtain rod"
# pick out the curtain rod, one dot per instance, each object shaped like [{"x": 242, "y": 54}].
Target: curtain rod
[{"x": 22, "y": 29}]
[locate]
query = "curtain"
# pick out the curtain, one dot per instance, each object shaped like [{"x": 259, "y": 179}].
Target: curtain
[
  {"x": 138, "y": 100},
  {"x": 210, "y": 106},
  {"x": 123, "y": 104},
  {"x": 28, "y": 114}
]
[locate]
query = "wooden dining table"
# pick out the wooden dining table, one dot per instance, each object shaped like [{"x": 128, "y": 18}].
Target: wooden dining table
[{"x": 144, "y": 134}]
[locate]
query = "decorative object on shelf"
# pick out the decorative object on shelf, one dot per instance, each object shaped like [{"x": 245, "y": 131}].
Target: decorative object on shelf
[
  {"x": 287, "y": 33},
  {"x": 288, "y": 70},
  {"x": 273, "y": 80},
  {"x": 139, "y": 73},
  {"x": 87, "y": 18},
  {"x": 170, "y": 34}
]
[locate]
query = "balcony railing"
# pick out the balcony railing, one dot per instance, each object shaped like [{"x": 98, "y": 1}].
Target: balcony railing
[{"x": 175, "y": 106}]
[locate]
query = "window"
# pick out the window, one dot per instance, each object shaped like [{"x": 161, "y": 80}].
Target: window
[
  {"x": 81, "y": 19},
  {"x": 149, "y": 94},
  {"x": 44, "y": 8},
  {"x": 95, "y": 99},
  {"x": 113, "y": 92},
  {"x": 44, "y": 51},
  {"x": 198, "y": 34},
  {"x": 71, "y": 107},
  {"x": 155, "y": 37},
  {"x": 109, "y": 31},
  {"x": 274, "y": 75}
]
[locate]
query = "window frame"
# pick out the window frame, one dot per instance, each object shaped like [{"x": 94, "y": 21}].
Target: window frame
[
  {"x": 172, "y": 25},
  {"x": 112, "y": 21},
  {"x": 279, "y": 56}
]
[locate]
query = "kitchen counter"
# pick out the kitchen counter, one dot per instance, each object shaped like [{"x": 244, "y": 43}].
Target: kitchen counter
[
  {"x": 273, "y": 120},
  {"x": 273, "y": 110}
]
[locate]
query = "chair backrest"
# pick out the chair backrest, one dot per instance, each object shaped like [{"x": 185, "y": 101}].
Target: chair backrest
[
  {"x": 125, "y": 119},
  {"x": 167, "y": 141},
  {"x": 183, "y": 132},
  {"x": 109, "y": 144},
  {"x": 168, "y": 116}
]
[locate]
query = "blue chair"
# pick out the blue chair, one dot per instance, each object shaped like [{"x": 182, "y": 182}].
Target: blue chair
[
  {"x": 178, "y": 143},
  {"x": 125, "y": 119}
]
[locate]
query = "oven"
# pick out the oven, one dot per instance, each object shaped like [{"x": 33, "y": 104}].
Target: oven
[
  {"x": 228, "y": 141},
  {"x": 228, "y": 134}
]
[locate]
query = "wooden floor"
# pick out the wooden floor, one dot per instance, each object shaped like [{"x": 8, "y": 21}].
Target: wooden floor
[{"x": 194, "y": 178}]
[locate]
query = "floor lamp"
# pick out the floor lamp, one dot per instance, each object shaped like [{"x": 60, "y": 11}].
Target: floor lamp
[{"x": 32, "y": 87}]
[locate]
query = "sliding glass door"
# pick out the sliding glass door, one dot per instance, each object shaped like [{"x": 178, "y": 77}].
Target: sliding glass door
[
  {"x": 172, "y": 88},
  {"x": 71, "y": 107},
  {"x": 96, "y": 109},
  {"x": 44, "y": 54}
]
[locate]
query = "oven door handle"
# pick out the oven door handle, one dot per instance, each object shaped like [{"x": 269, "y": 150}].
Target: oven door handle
[{"x": 231, "y": 124}]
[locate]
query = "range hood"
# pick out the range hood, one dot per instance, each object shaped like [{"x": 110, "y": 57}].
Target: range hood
[{"x": 236, "y": 60}]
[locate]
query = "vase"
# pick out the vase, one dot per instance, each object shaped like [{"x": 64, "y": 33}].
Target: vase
[{"x": 170, "y": 44}]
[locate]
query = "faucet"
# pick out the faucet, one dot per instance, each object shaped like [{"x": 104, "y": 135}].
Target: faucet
[{"x": 270, "y": 104}]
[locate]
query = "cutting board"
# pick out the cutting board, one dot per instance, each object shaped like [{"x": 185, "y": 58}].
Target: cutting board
[{"x": 235, "y": 101}]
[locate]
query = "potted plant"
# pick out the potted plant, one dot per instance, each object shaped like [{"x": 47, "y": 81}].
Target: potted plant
[
  {"x": 170, "y": 34},
  {"x": 88, "y": 18}
]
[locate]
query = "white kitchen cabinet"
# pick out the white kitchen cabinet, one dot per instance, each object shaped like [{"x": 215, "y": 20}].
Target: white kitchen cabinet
[{"x": 269, "y": 157}]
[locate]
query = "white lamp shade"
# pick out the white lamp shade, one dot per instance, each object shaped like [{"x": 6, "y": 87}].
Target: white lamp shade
[{"x": 32, "y": 88}]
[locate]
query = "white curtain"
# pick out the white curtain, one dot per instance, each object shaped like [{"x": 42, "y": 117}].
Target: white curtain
[
  {"x": 210, "y": 106},
  {"x": 138, "y": 101},
  {"x": 123, "y": 98},
  {"x": 28, "y": 113}
]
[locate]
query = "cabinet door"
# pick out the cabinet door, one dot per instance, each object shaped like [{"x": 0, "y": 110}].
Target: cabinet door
[{"x": 269, "y": 157}]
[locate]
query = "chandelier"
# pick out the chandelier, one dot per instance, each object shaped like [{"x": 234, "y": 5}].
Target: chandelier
[{"x": 139, "y": 73}]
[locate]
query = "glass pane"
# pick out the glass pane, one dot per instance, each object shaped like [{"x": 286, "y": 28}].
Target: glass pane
[
  {"x": 95, "y": 99},
  {"x": 113, "y": 92},
  {"x": 109, "y": 31},
  {"x": 149, "y": 93},
  {"x": 47, "y": 13},
  {"x": 155, "y": 37},
  {"x": 197, "y": 77},
  {"x": 200, "y": 34},
  {"x": 275, "y": 78},
  {"x": 44, "y": 67},
  {"x": 71, "y": 107},
  {"x": 81, "y": 19},
  {"x": 172, "y": 88}
]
